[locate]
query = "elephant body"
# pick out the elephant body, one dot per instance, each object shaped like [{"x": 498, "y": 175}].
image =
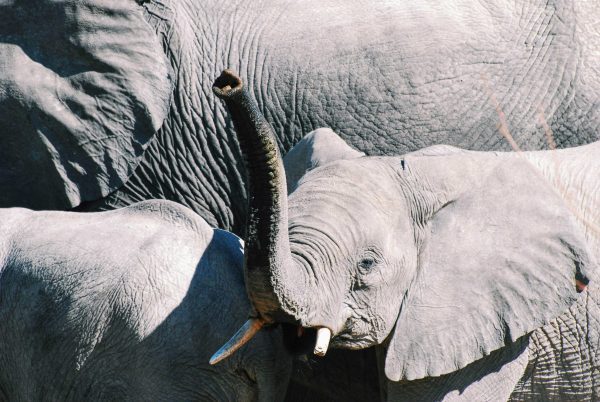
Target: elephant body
[
  {"x": 389, "y": 77},
  {"x": 127, "y": 305}
]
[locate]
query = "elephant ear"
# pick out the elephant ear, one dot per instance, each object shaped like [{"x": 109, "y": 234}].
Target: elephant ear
[
  {"x": 84, "y": 85},
  {"x": 317, "y": 148},
  {"x": 496, "y": 262}
]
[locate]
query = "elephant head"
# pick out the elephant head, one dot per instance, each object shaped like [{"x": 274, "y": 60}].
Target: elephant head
[{"x": 443, "y": 256}]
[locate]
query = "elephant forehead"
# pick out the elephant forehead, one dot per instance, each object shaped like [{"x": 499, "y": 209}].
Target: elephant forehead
[
  {"x": 369, "y": 178},
  {"x": 352, "y": 196}
]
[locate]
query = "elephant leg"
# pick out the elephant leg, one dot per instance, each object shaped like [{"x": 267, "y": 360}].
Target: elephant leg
[{"x": 492, "y": 378}]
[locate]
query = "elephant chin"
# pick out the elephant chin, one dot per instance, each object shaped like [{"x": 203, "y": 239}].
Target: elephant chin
[{"x": 298, "y": 340}]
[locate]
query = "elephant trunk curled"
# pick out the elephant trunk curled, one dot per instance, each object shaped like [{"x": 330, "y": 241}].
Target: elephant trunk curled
[
  {"x": 275, "y": 283},
  {"x": 267, "y": 198}
]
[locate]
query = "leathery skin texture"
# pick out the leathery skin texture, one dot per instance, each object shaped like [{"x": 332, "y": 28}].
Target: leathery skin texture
[
  {"x": 511, "y": 62},
  {"x": 389, "y": 78}
]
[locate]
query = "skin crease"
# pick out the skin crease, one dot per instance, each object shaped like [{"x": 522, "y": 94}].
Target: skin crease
[
  {"x": 127, "y": 305},
  {"x": 540, "y": 365}
]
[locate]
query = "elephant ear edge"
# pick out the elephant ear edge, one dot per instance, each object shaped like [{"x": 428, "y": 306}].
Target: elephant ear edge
[
  {"x": 498, "y": 262},
  {"x": 317, "y": 148},
  {"x": 84, "y": 86}
]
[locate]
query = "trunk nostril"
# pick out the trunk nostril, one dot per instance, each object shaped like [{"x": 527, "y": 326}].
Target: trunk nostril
[{"x": 227, "y": 83}]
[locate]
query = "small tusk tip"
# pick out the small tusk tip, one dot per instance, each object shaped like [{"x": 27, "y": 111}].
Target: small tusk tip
[
  {"x": 214, "y": 360},
  {"x": 322, "y": 343}
]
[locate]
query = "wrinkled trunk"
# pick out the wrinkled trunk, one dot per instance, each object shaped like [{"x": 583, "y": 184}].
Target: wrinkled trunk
[
  {"x": 275, "y": 282},
  {"x": 267, "y": 248}
]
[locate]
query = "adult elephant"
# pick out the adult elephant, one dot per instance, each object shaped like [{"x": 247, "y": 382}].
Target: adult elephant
[
  {"x": 108, "y": 102},
  {"x": 127, "y": 305},
  {"x": 470, "y": 270}
]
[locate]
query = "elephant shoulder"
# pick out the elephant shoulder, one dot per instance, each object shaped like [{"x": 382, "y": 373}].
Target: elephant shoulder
[
  {"x": 152, "y": 248},
  {"x": 126, "y": 278}
]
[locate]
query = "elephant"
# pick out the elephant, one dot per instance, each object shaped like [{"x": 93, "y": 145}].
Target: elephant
[
  {"x": 127, "y": 305},
  {"x": 473, "y": 274},
  {"x": 108, "y": 102}
]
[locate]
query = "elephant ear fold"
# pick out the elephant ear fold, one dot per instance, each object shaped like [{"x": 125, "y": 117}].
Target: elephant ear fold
[
  {"x": 84, "y": 85},
  {"x": 496, "y": 262},
  {"x": 317, "y": 148}
]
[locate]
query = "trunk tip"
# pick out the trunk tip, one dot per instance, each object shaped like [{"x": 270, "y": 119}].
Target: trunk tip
[{"x": 227, "y": 84}]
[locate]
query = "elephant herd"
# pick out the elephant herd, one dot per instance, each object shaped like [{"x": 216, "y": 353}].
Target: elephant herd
[{"x": 168, "y": 236}]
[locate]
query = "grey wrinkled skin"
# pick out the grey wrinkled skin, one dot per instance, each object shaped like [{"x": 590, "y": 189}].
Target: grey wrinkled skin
[
  {"x": 127, "y": 305},
  {"x": 85, "y": 85},
  {"x": 462, "y": 266}
]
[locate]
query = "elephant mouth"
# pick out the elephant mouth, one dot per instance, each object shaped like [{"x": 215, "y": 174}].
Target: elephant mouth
[
  {"x": 348, "y": 340},
  {"x": 298, "y": 340},
  {"x": 302, "y": 340}
]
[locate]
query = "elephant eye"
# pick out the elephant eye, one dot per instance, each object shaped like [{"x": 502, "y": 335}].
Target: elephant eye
[{"x": 366, "y": 263}]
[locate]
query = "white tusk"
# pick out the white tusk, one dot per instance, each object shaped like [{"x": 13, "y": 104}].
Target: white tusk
[
  {"x": 323, "y": 337},
  {"x": 244, "y": 334}
]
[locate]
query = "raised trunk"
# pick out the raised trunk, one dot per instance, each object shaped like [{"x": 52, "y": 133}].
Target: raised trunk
[{"x": 267, "y": 248}]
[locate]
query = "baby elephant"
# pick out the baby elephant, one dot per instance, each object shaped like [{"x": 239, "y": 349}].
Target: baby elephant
[
  {"x": 474, "y": 274},
  {"x": 127, "y": 305}
]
